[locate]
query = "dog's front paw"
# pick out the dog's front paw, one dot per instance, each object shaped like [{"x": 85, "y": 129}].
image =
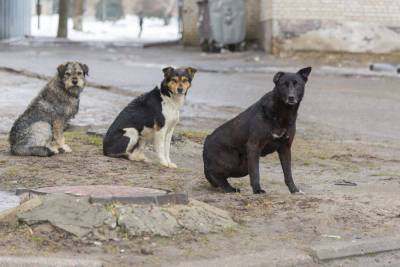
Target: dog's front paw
[
  {"x": 164, "y": 163},
  {"x": 299, "y": 193},
  {"x": 172, "y": 165},
  {"x": 54, "y": 149},
  {"x": 259, "y": 191},
  {"x": 65, "y": 149},
  {"x": 231, "y": 190},
  {"x": 293, "y": 189}
]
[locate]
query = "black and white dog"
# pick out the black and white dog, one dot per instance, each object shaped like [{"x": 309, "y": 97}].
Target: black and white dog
[{"x": 150, "y": 117}]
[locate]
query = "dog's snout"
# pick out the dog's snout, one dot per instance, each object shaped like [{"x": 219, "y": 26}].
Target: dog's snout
[
  {"x": 75, "y": 81},
  {"x": 180, "y": 90},
  {"x": 291, "y": 98}
]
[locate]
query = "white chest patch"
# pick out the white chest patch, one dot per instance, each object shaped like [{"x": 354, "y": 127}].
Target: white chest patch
[{"x": 170, "y": 109}]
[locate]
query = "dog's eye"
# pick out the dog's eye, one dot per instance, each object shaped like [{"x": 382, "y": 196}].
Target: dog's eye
[
  {"x": 185, "y": 81},
  {"x": 286, "y": 83},
  {"x": 174, "y": 80},
  {"x": 80, "y": 73},
  {"x": 68, "y": 73},
  {"x": 294, "y": 82}
]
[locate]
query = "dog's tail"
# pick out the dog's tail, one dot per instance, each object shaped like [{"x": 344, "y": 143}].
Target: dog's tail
[
  {"x": 210, "y": 178},
  {"x": 40, "y": 151}
]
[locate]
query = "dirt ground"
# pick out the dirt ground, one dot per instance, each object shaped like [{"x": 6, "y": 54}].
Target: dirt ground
[
  {"x": 276, "y": 220},
  {"x": 346, "y": 156}
]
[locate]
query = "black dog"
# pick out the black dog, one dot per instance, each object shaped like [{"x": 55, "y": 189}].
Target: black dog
[{"x": 234, "y": 149}]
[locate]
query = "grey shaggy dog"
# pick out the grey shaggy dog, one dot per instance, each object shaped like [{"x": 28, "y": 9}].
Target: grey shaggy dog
[{"x": 39, "y": 131}]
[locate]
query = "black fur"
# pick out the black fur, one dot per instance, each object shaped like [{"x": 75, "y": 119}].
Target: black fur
[
  {"x": 143, "y": 111},
  {"x": 234, "y": 149}
]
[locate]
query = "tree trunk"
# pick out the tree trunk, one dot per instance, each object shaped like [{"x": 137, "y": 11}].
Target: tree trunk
[
  {"x": 63, "y": 19},
  {"x": 78, "y": 13}
]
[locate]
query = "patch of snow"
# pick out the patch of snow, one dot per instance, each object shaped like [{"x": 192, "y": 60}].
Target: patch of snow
[
  {"x": 126, "y": 29},
  {"x": 8, "y": 201}
]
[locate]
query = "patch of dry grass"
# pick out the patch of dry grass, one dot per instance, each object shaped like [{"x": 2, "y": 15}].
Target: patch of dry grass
[{"x": 79, "y": 136}]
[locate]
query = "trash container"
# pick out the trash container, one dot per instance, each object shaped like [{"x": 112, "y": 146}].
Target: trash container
[
  {"x": 222, "y": 23},
  {"x": 109, "y": 10}
]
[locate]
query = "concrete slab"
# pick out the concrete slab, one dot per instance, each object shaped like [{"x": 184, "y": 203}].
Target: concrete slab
[
  {"x": 199, "y": 217},
  {"x": 8, "y": 261},
  {"x": 77, "y": 216},
  {"x": 111, "y": 193},
  {"x": 359, "y": 247},
  {"x": 72, "y": 214}
]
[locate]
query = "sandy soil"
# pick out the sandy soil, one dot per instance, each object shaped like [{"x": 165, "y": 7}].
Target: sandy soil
[{"x": 277, "y": 219}]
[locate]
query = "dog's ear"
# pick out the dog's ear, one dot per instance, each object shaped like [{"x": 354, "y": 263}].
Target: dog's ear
[
  {"x": 167, "y": 71},
  {"x": 277, "y": 77},
  {"x": 304, "y": 73},
  {"x": 85, "y": 69},
  {"x": 61, "y": 69},
  {"x": 191, "y": 71}
]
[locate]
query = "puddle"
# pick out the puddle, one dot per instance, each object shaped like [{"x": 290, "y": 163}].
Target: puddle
[{"x": 8, "y": 200}]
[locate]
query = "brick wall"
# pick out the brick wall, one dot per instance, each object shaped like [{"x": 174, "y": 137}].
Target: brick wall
[
  {"x": 331, "y": 25},
  {"x": 387, "y": 11}
]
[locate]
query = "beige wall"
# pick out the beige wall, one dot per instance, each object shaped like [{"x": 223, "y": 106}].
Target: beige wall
[
  {"x": 252, "y": 19},
  {"x": 331, "y": 25},
  {"x": 387, "y": 11}
]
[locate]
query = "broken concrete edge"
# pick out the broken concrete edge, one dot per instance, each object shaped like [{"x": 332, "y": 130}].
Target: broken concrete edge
[
  {"x": 103, "y": 222},
  {"x": 167, "y": 199},
  {"x": 21, "y": 191},
  {"x": 47, "y": 261},
  {"x": 345, "y": 249},
  {"x": 179, "y": 198}
]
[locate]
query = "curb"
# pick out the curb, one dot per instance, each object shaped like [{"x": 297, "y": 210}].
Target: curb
[
  {"x": 323, "y": 70},
  {"x": 358, "y": 247},
  {"x": 53, "y": 41},
  {"x": 277, "y": 258},
  {"x": 35, "y": 75}
]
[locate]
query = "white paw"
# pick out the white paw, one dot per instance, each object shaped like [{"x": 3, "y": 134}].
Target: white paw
[
  {"x": 145, "y": 159},
  {"x": 164, "y": 163},
  {"x": 300, "y": 192},
  {"x": 54, "y": 149},
  {"x": 66, "y": 148},
  {"x": 138, "y": 157},
  {"x": 172, "y": 165}
]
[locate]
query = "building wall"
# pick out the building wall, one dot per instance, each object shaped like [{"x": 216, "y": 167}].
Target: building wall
[
  {"x": 252, "y": 19},
  {"x": 331, "y": 25}
]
